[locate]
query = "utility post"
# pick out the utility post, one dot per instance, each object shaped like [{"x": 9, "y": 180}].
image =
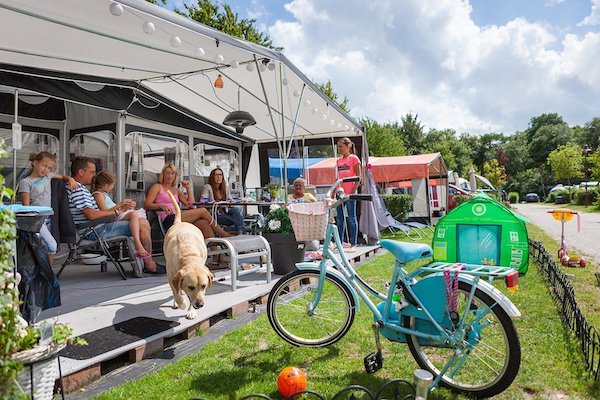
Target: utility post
[{"x": 585, "y": 150}]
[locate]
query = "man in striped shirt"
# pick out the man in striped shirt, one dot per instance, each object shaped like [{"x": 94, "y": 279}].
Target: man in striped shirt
[{"x": 83, "y": 208}]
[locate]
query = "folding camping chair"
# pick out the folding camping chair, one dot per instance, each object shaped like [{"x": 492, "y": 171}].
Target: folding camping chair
[
  {"x": 87, "y": 237},
  {"x": 398, "y": 227},
  {"x": 423, "y": 228}
]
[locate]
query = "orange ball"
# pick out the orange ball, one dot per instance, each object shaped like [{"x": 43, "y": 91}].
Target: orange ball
[{"x": 290, "y": 381}]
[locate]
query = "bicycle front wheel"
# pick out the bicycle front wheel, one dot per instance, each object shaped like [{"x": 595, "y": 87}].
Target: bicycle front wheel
[
  {"x": 487, "y": 359},
  {"x": 290, "y": 303}
]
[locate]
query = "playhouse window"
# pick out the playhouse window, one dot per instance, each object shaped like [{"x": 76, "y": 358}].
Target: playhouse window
[{"x": 476, "y": 242}]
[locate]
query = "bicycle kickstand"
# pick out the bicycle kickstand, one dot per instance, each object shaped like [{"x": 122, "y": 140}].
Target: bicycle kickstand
[{"x": 374, "y": 361}]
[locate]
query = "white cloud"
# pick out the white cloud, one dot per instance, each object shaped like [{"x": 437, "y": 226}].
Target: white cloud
[
  {"x": 594, "y": 17},
  {"x": 429, "y": 57}
]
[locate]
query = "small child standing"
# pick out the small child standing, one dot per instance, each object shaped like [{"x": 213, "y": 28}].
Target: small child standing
[
  {"x": 103, "y": 183},
  {"x": 36, "y": 190}
]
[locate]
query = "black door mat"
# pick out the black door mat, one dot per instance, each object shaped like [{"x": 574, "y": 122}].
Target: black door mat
[{"x": 115, "y": 336}]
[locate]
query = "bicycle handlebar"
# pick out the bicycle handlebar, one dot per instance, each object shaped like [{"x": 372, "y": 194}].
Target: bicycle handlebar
[{"x": 344, "y": 198}]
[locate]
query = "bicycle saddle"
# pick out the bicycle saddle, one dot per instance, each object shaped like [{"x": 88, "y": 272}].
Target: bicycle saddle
[{"x": 406, "y": 252}]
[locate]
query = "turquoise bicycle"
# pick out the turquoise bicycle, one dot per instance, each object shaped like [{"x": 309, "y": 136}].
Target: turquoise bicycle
[{"x": 456, "y": 325}]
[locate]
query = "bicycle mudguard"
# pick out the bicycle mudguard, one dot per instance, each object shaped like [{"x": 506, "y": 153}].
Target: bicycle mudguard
[{"x": 314, "y": 266}]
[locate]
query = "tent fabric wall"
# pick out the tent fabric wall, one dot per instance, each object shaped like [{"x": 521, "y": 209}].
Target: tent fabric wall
[
  {"x": 482, "y": 228},
  {"x": 387, "y": 169}
]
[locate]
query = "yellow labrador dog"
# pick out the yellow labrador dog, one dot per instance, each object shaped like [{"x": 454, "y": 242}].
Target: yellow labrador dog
[{"x": 185, "y": 254}]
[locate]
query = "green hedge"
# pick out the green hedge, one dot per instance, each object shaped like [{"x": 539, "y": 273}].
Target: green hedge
[
  {"x": 579, "y": 196},
  {"x": 399, "y": 205},
  {"x": 513, "y": 197}
]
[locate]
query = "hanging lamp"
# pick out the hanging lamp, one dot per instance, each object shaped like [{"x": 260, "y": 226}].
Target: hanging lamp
[{"x": 239, "y": 119}]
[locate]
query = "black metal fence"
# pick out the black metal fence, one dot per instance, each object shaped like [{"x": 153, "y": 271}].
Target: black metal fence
[
  {"x": 393, "y": 389},
  {"x": 563, "y": 292}
]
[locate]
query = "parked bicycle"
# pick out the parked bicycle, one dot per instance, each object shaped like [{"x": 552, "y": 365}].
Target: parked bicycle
[{"x": 456, "y": 325}]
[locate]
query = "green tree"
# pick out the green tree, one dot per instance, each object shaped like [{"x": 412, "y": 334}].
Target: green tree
[
  {"x": 546, "y": 139},
  {"x": 225, "y": 20},
  {"x": 590, "y": 134},
  {"x": 527, "y": 181},
  {"x": 327, "y": 89},
  {"x": 517, "y": 154},
  {"x": 542, "y": 120},
  {"x": 494, "y": 172},
  {"x": 455, "y": 153},
  {"x": 566, "y": 162},
  {"x": 411, "y": 132},
  {"x": 383, "y": 140},
  {"x": 594, "y": 165}
]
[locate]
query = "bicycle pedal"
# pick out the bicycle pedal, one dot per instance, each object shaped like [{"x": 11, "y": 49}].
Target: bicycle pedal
[{"x": 373, "y": 362}]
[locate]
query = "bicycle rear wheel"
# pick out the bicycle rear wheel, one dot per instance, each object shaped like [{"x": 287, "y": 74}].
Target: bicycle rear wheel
[
  {"x": 289, "y": 314},
  {"x": 491, "y": 360}
]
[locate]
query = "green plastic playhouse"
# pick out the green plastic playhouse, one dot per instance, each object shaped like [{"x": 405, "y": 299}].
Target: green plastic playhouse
[{"x": 482, "y": 231}]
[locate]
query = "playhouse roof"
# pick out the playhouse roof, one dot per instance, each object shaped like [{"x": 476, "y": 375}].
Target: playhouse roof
[{"x": 482, "y": 198}]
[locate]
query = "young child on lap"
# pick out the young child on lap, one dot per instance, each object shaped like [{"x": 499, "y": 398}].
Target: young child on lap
[{"x": 125, "y": 210}]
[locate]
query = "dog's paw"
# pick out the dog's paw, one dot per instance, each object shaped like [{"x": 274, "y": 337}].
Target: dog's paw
[{"x": 191, "y": 314}]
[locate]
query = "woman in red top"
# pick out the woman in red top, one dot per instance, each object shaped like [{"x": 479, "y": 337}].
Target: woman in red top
[{"x": 348, "y": 165}]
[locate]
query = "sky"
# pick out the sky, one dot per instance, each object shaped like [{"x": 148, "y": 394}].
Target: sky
[{"x": 474, "y": 66}]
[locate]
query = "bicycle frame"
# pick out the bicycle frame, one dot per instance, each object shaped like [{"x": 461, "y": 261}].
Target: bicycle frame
[{"x": 388, "y": 320}]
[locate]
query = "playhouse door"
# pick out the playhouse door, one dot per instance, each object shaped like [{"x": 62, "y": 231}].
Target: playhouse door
[{"x": 476, "y": 242}]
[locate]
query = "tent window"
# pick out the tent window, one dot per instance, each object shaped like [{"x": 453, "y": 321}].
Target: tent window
[
  {"x": 476, "y": 242},
  {"x": 33, "y": 142},
  {"x": 208, "y": 157},
  {"x": 145, "y": 156},
  {"x": 97, "y": 145}
]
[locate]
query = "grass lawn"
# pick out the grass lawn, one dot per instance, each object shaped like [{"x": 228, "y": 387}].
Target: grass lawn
[{"x": 248, "y": 360}]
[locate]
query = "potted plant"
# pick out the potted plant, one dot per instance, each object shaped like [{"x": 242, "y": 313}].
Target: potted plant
[
  {"x": 273, "y": 189},
  {"x": 285, "y": 250}
]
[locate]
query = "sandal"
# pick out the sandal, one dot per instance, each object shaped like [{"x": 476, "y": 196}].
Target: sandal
[
  {"x": 160, "y": 270},
  {"x": 142, "y": 255}
]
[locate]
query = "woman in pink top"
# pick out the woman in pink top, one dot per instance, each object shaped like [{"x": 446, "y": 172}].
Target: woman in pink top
[
  {"x": 158, "y": 200},
  {"x": 348, "y": 165}
]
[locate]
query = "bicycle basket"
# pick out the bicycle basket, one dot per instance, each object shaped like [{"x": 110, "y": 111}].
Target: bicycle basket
[{"x": 309, "y": 220}]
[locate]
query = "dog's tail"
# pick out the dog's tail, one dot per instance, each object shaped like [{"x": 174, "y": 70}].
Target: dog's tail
[{"x": 176, "y": 206}]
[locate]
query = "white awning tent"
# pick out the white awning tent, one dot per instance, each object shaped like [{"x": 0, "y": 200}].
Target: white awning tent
[{"x": 167, "y": 59}]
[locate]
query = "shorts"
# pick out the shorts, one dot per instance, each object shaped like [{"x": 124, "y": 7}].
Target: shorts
[
  {"x": 168, "y": 222},
  {"x": 117, "y": 228}
]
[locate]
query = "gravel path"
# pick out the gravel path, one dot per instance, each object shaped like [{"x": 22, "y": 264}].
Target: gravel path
[{"x": 586, "y": 242}]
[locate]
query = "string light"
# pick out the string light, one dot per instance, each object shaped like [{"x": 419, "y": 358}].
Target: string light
[
  {"x": 175, "y": 41},
  {"x": 149, "y": 28},
  {"x": 199, "y": 52},
  {"x": 115, "y": 9}
]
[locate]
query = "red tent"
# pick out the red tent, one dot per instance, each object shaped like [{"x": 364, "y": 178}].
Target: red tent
[{"x": 385, "y": 169}]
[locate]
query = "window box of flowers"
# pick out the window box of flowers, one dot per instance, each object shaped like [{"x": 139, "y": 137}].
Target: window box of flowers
[{"x": 285, "y": 250}]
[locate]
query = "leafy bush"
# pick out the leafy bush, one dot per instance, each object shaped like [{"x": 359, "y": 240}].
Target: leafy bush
[
  {"x": 513, "y": 197},
  {"x": 461, "y": 198},
  {"x": 579, "y": 196},
  {"x": 566, "y": 196},
  {"x": 278, "y": 221},
  {"x": 551, "y": 198},
  {"x": 399, "y": 205},
  {"x": 10, "y": 333}
]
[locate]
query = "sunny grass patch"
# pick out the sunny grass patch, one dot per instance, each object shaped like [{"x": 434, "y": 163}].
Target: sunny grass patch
[{"x": 248, "y": 360}]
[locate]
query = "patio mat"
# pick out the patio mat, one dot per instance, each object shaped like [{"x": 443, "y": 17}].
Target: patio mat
[{"x": 119, "y": 335}]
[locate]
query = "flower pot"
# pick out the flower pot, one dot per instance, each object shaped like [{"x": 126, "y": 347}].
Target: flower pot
[
  {"x": 285, "y": 252},
  {"x": 40, "y": 371}
]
